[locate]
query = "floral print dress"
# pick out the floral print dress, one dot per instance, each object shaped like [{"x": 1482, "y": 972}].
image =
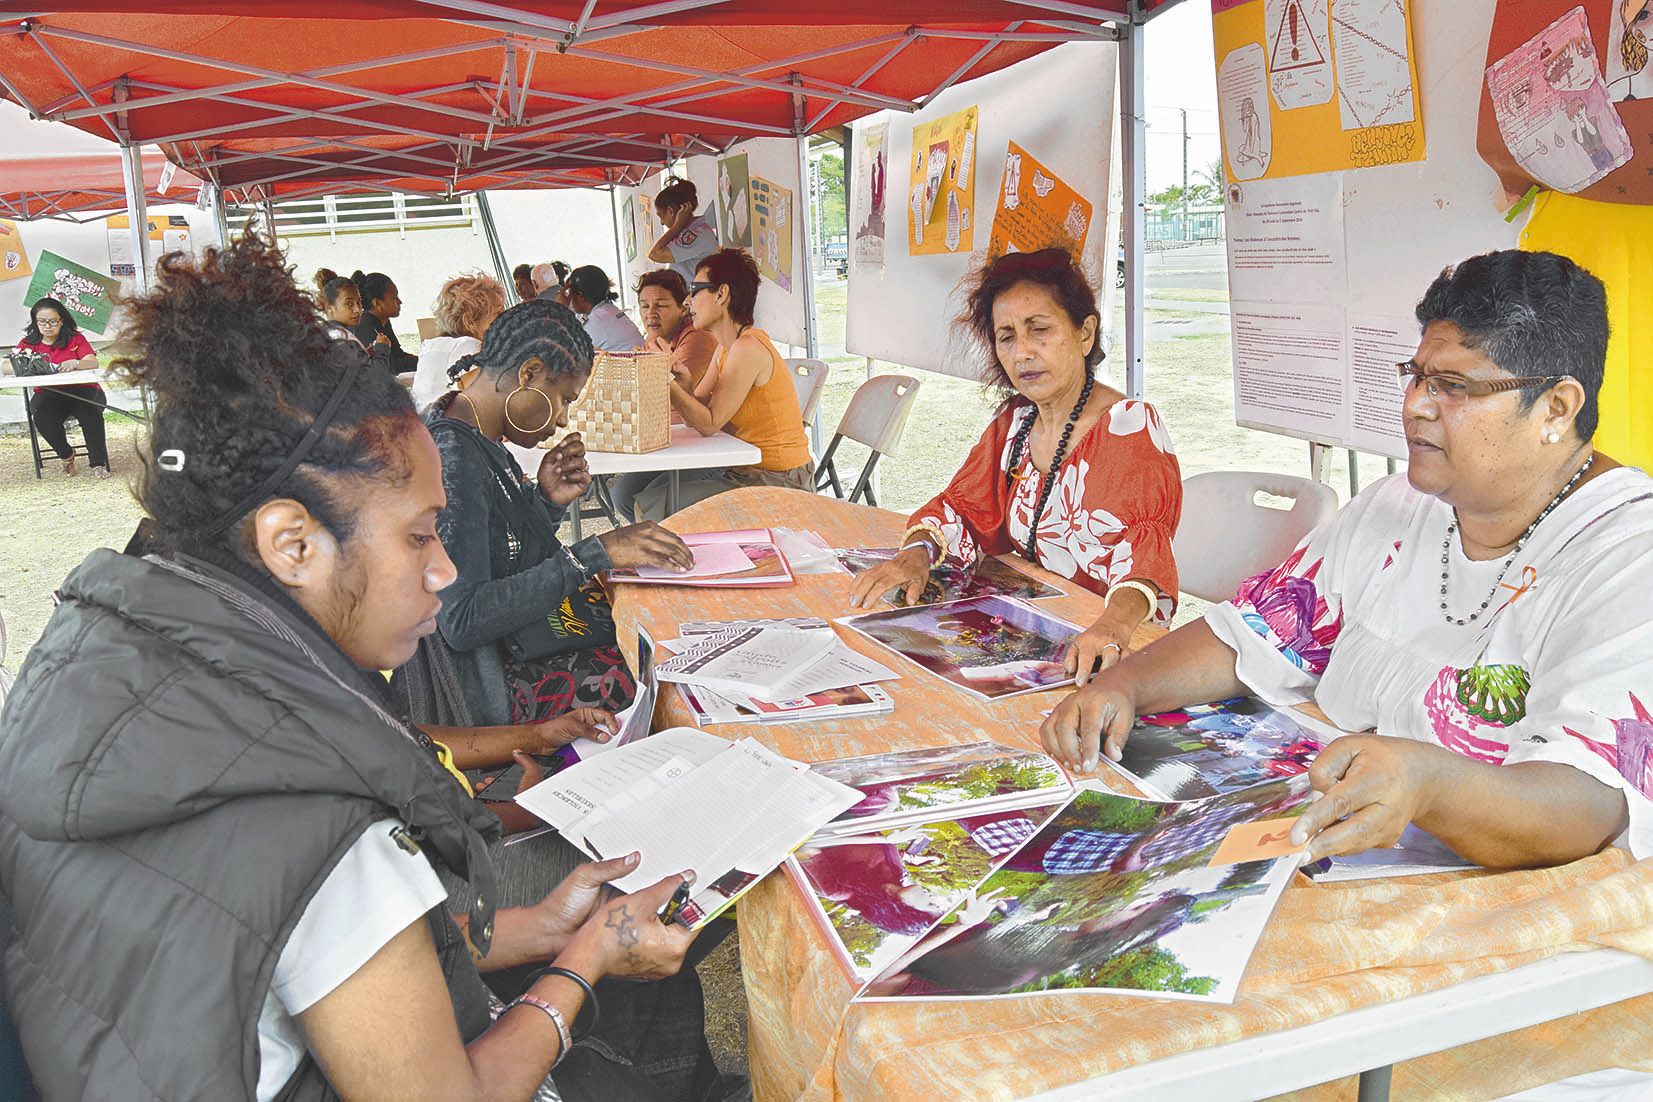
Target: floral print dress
[
  {"x": 1110, "y": 517},
  {"x": 1558, "y": 668}
]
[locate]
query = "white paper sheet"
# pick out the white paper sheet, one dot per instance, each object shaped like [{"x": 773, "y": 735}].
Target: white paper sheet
[
  {"x": 1248, "y": 134},
  {"x": 1289, "y": 369},
  {"x": 757, "y": 661},
  {"x": 1299, "y": 52},
  {"x": 1374, "y": 77},
  {"x": 1285, "y": 240},
  {"x": 613, "y": 780},
  {"x": 632, "y": 723},
  {"x": 1377, "y": 342}
]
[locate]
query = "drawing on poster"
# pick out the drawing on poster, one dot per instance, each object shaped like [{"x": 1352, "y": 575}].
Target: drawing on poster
[
  {"x": 1554, "y": 110},
  {"x": 942, "y": 198},
  {"x": 14, "y": 261},
  {"x": 772, "y": 230},
  {"x": 1299, "y": 52},
  {"x": 1037, "y": 210},
  {"x": 1374, "y": 76},
  {"x": 871, "y": 174},
  {"x": 1247, "y": 132},
  {"x": 1628, "y": 24},
  {"x": 628, "y": 219},
  {"x": 734, "y": 201}
]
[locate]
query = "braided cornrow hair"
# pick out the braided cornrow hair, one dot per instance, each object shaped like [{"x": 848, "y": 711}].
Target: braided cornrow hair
[
  {"x": 238, "y": 366},
  {"x": 539, "y": 329}
]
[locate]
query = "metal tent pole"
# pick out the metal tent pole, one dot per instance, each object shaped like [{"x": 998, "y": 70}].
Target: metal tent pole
[
  {"x": 490, "y": 233},
  {"x": 621, "y": 274},
  {"x": 811, "y": 339},
  {"x": 137, "y": 212},
  {"x": 1133, "y": 143},
  {"x": 220, "y": 216}
]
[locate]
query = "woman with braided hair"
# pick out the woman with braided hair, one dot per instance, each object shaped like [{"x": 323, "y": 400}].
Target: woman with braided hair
[
  {"x": 524, "y": 634},
  {"x": 1071, "y": 474}
]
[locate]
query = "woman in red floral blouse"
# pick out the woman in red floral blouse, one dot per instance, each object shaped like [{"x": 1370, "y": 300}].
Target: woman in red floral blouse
[{"x": 1095, "y": 469}]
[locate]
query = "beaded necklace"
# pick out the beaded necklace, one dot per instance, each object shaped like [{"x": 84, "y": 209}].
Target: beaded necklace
[
  {"x": 1452, "y": 529},
  {"x": 1019, "y": 445}
]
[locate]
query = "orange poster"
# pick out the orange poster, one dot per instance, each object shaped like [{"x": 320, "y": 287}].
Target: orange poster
[
  {"x": 1036, "y": 210},
  {"x": 14, "y": 262}
]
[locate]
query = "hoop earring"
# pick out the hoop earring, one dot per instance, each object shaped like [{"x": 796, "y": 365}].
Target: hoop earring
[{"x": 550, "y": 413}]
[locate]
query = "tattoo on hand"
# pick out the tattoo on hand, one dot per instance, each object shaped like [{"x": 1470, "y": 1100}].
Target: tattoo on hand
[{"x": 624, "y": 926}]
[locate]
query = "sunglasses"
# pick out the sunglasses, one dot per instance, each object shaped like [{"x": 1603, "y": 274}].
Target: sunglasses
[{"x": 702, "y": 285}]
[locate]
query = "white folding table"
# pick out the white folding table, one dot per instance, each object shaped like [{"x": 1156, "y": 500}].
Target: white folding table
[
  {"x": 688, "y": 451},
  {"x": 1369, "y": 1041},
  {"x": 26, "y": 383}
]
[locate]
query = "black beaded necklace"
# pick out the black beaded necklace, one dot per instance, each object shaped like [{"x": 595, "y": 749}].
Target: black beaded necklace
[{"x": 1019, "y": 445}]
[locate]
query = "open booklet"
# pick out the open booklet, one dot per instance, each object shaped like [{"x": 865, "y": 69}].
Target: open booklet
[
  {"x": 744, "y": 557},
  {"x": 991, "y": 647},
  {"x": 686, "y": 800},
  {"x": 986, "y": 577},
  {"x": 1116, "y": 894},
  {"x": 770, "y": 661},
  {"x": 1206, "y": 749}
]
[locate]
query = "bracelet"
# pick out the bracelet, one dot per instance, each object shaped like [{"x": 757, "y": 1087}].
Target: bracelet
[
  {"x": 1149, "y": 594},
  {"x": 556, "y": 1020},
  {"x": 590, "y": 1000},
  {"x": 929, "y": 535}
]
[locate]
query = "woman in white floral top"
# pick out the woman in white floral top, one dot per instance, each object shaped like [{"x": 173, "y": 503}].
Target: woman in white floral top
[
  {"x": 1488, "y": 614},
  {"x": 1095, "y": 469}
]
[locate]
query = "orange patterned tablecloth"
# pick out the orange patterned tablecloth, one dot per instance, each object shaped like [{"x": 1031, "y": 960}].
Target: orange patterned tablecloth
[{"x": 1329, "y": 948}]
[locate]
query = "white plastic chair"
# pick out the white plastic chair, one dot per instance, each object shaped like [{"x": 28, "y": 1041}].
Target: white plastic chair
[
  {"x": 1227, "y": 535},
  {"x": 876, "y": 417},
  {"x": 810, "y": 377}
]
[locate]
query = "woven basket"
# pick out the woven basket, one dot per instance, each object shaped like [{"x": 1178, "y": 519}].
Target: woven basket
[{"x": 627, "y": 403}]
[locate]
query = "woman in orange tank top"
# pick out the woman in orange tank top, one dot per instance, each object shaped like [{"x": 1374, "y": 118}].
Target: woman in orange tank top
[{"x": 754, "y": 397}]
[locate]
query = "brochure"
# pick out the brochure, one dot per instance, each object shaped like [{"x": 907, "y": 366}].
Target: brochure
[
  {"x": 755, "y": 661},
  {"x": 729, "y": 811},
  {"x": 1116, "y": 894},
  {"x": 766, "y": 564},
  {"x": 991, "y": 647},
  {"x": 875, "y": 894},
  {"x": 813, "y": 670},
  {"x": 915, "y": 786},
  {"x": 950, "y": 582},
  {"x": 1417, "y": 852},
  {"x": 849, "y": 702},
  {"x": 1212, "y": 748}
]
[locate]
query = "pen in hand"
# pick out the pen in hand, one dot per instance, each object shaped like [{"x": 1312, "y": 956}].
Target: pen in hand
[{"x": 674, "y": 906}]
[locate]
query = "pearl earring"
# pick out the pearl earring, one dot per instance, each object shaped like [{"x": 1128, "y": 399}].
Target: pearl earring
[{"x": 1552, "y": 437}]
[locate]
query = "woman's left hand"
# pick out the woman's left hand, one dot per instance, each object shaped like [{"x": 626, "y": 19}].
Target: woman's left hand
[
  {"x": 563, "y": 474},
  {"x": 579, "y": 895},
  {"x": 596, "y": 724},
  {"x": 1105, "y": 641},
  {"x": 1370, "y": 788}
]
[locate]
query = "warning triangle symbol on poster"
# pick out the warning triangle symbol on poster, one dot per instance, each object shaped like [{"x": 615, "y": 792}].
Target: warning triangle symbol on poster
[{"x": 1295, "y": 46}]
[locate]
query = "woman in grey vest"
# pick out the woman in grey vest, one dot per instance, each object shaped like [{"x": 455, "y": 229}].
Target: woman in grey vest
[{"x": 218, "y": 838}]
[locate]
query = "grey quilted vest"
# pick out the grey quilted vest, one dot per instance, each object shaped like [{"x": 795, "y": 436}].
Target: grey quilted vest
[{"x": 184, "y": 758}]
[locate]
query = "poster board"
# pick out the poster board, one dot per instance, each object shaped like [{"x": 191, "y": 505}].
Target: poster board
[
  {"x": 1324, "y": 281},
  {"x": 901, "y": 306}
]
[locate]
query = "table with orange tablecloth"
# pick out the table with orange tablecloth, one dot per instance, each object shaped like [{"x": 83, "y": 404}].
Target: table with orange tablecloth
[{"x": 1330, "y": 948}]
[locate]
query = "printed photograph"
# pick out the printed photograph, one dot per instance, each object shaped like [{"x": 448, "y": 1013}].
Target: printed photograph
[
  {"x": 991, "y": 647},
  {"x": 1212, "y": 748},
  {"x": 986, "y": 578},
  {"x": 912, "y": 782}
]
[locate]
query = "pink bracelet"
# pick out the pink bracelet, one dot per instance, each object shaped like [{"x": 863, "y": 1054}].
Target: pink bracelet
[{"x": 556, "y": 1020}]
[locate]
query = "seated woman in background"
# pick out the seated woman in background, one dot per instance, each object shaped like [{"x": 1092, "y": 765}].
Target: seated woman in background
[
  {"x": 1070, "y": 474},
  {"x": 1457, "y": 610},
  {"x": 524, "y": 634},
  {"x": 341, "y": 305},
  {"x": 663, "y": 302},
  {"x": 753, "y": 396},
  {"x": 234, "y": 752},
  {"x": 380, "y": 303},
  {"x": 590, "y": 294},
  {"x": 689, "y": 237},
  {"x": 464, "y": 308},
  {"x": 53, "y": 333},
  {"x": 522, "y": 276}
]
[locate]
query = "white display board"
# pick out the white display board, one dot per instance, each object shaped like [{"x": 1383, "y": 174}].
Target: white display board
[
  {"x": 1059, "y": 108},
  {"x": 780, "y": 311},
  {"x": 1318, "y": 329}
]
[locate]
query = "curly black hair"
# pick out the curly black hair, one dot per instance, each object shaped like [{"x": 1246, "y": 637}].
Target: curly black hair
[
  {"x": 539, "y": 329},
  {"x": 238, "y": 366},
  {"x": 1053, "y": 269}
]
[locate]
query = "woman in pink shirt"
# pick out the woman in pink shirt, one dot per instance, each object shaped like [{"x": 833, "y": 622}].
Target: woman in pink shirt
[{"x": 53, "y": 333}]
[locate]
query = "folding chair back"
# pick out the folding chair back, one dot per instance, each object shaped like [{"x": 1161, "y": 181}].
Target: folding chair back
[
  {"x": 1227, "y": 535},
  {"x": 876, "y": 417},
  {"x": 810, "y": 377}
]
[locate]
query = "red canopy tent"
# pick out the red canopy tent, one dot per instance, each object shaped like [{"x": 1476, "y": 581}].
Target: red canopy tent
[
  {"x": 455, "y": 95},
  {"x": 67, "y": 186}
]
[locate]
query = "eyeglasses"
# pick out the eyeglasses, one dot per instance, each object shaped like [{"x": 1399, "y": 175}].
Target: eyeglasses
[
  {"x": 698, "y": 286},
  {"x": 1447, "y": 387}
]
